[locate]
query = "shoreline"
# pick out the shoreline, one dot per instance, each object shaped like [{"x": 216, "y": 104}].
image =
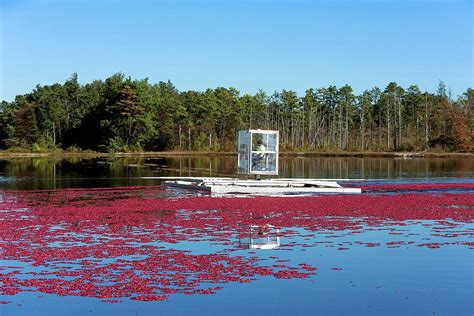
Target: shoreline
[{"x": 6, "y": 155}]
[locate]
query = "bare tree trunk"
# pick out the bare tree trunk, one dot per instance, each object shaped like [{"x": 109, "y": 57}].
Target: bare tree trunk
[
  {"x": 388, "y": 127},
  {"x": 426, "y": 122},
  {"x": 371, "y": 136},
  {"x": 189, "y": 137},
  {"x": 54, "y": 133},
  {"x": 340, "y": 126},
  {"x": 417, "y": 133},
  {"x": 129, "y": 132},
  {"x": 317, "y": 131},
  {"x": 346, "y": 143},
  {"x": 399, "y": 122},
  {"x": 380, "y": 129},
  {"x": 362, "y": 128},
  {"x": 68, "y": 116},
  {"x": 59, "y": 132},
  {"x": 302, "y": 132},
  {"x": 179, "y": 133}
]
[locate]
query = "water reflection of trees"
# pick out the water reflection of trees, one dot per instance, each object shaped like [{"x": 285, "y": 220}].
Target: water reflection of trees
[
  {"x": 374, "y": 167},
  {"x": 53, "y": 172}
]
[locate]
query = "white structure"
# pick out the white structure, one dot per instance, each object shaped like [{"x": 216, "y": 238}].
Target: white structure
[
  {"x": 258, "y": 152},
  {"x": 258, "y": 155}
]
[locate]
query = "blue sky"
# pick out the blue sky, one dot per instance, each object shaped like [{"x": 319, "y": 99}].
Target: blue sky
[{"x": 249, "y": 45}]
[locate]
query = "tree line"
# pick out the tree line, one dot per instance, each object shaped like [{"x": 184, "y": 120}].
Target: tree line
[{"x": 124, "y": 114}]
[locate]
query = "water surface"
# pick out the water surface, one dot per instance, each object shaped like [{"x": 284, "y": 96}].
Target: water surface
[
  {"x": 48, "y": 173},
  {"x": 89, "y": 236}
]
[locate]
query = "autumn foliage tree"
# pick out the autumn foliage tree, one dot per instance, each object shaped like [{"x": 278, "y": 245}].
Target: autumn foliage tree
[{"x": 460, "y": 131}]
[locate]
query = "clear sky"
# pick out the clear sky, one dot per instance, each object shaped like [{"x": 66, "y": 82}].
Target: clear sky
[{"x": 249, "y": 45}]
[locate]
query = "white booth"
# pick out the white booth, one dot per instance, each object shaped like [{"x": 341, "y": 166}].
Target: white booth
[
  {"x": 258, "y": 155},
  {"x": 258, "y": 152}
]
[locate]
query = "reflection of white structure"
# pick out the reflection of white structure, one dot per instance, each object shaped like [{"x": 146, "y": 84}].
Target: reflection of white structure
[
  {"x": 251, "y": 160},
  {"x": 261, "y": 237}
]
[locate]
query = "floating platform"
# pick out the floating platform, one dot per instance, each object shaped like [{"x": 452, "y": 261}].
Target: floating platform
[{"x": 257, "y": 187}]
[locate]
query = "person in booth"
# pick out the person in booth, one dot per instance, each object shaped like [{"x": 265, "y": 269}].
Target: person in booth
[{"x": 259, "y": 156}]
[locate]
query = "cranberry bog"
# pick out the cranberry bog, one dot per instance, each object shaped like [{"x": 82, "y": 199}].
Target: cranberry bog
[{"x": 401, "y": 247}]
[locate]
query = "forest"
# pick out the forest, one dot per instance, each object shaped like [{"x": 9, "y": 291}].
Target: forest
[{"x": 122, "y": 114}]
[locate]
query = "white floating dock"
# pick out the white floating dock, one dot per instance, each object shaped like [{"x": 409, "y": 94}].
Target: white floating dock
[{"x": 257, "y": 187}]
